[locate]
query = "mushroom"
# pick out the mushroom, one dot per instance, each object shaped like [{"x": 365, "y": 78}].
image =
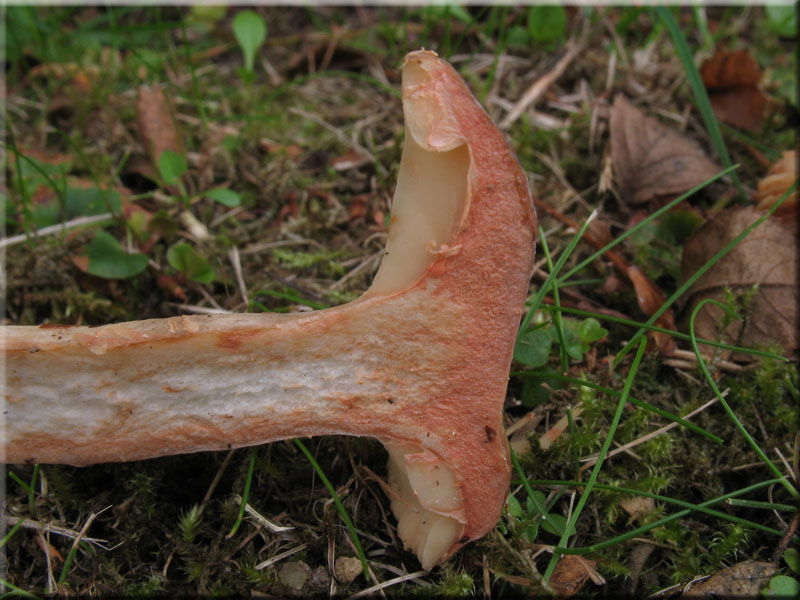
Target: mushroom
[{"x": 419, "y": 362}]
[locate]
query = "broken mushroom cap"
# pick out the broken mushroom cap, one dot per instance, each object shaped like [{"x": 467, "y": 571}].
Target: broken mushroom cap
[{"x": 419, "y": 362}]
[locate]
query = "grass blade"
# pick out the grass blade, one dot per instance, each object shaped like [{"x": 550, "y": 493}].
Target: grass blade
[
  {"x": 639, "y": 403},
  {"x": 536, "y": 302},
  {"x": 622, "y": 237},
  {"x": 677, "y": 334},
  {"x": 339, "y": 506},
  {"x": 701, "y": 361},
  {"x": 558, "y": 322},
  {"x": 600, "y": 459},
  {"x": 699, "y": 90},
  {"x": 246, "y": 493},
  {"x": 703, "y": 507}
]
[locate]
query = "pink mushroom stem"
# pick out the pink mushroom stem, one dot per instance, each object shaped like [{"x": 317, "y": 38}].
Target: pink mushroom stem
[{"x": 419, "y": 362}]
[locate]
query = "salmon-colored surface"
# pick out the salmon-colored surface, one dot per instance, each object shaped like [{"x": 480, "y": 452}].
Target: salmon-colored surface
[{"x": 428, "y": 365}]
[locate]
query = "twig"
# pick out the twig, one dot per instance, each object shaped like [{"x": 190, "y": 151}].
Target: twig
[
  {"x": 215, "y": 481},
  {"x": 366, "y": 263},
  {"x": 237, "y": 269},
  {"x": 262, "y": 520},
  {"x": 74, "y": 549},
  {"x": 785, "y": 463},
  {"x": 47, "y": 527},
  {"x": 787, "y": 537},
  {"x": 335, "y": 131},
  {"x": 51, "y": 229},
  {"x": 381, "y": 586},
  {"x": 201, "y": 310},
  {"x": 279, "y": 557},
  {"x": 540, "y": 85},
  {"x": 691, "y": 358}
]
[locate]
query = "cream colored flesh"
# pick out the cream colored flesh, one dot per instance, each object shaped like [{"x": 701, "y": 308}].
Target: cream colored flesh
[
  {"x": 426, "y": 501},
  {"x": 427, "y": 208}
]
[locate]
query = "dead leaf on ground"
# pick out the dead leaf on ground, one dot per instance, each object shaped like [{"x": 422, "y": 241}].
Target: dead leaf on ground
[
  {"x": 729, "y": 68},
  {"x": 731, "y": 78},
  {"x": 157, "y": 128},
  {"x": 650, "y": 159},
  {"x": 767, "y": 257},
  {"x": 742, "y": 580},
  {"x": 650, "y": 298},
  {"x": 570, "y": 574},
  {"x": 49, "y": 549},
  {"x": 777, "y": 182}
]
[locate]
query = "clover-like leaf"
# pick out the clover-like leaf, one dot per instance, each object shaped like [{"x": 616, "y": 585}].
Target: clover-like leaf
[
  {"x": 183, "y": 257},
  {"x": 107, "y": 259}
]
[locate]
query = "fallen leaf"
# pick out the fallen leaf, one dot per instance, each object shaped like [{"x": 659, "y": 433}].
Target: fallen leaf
[
  {"x": 650, "y": 298},
  {"x": 742, "y": 580},
  {"x": 729, "y": 68},
  {"x": 731, "y": 78},
  {"x": 767, "y": 258},
  {"x": 81, "y": 77},
  {"x": 570, "y": 574},
  {"x": 550, "y": 436},
  {"x": 600, "y": 230},
  {"x": 49, "y": 549},
  {"x": 157, "y": 128},
  {"x": 777, "y": 182},
  {"x": 742, "y": 107},
  {"x": 649, "y": 159}
]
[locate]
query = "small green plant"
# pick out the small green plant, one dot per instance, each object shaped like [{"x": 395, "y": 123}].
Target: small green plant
[
  {"x": 547, "y": 23},
  {"x": 785, "y": 586},
  {"x": 189, "y": 522},
  {"x": 107, "y": 258},
  {"x": 534, "y": 345},
  {"x": 185, "y": 258},
  {"x": 250, "y": 32},
  {"x": 172, "y": 167}
]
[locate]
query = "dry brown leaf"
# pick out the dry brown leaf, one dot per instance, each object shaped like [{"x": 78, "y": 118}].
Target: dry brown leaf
[
  {"x": 741, "y": 107},
  {"x": 49, "y": 549},
  {"x": 742, "y": 580},
  {"x": 777, "y": 182},
  {"x": 157, "y": 128},
  {"x": 650, "y": 159},
  {"x": 731, "y": 78},
  {"x": 767, "y": 257},
  {"x": 650, "y": 298},
  {"x": 729, "y": 68},
  {"x": 569, "y": 575}
]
